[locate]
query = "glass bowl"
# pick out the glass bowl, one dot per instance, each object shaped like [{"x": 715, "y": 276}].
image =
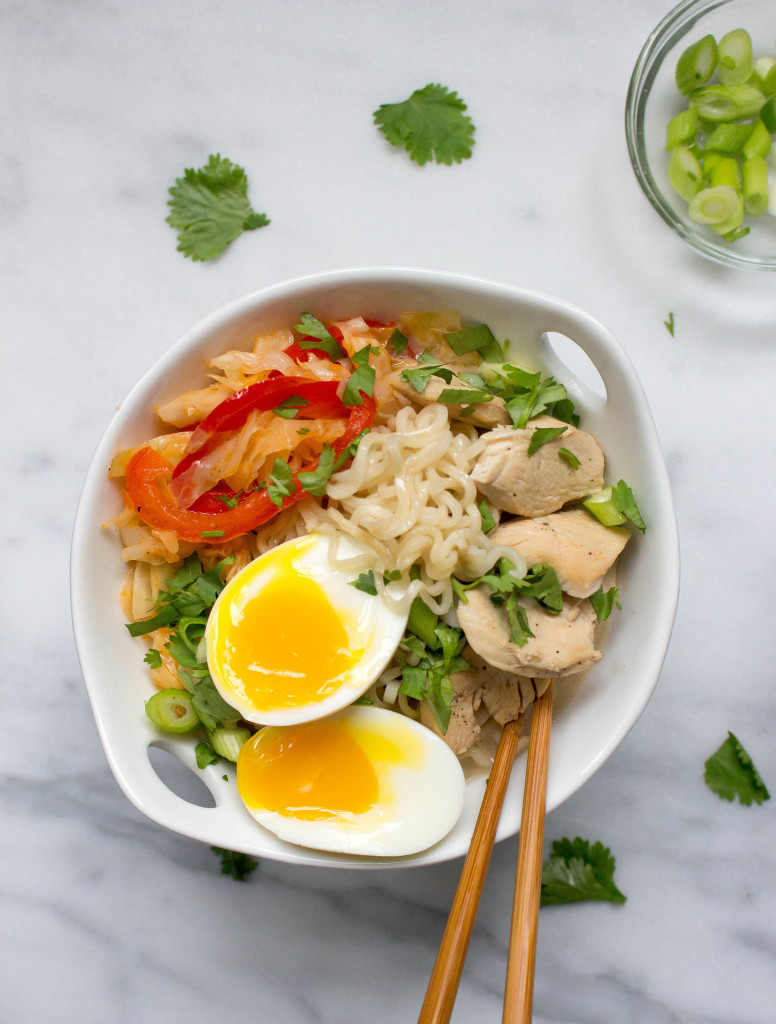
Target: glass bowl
[{"x": 653, "y": 100}]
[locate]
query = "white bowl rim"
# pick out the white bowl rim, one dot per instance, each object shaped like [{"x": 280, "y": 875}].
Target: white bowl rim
[{"x": 178, "y": 815}]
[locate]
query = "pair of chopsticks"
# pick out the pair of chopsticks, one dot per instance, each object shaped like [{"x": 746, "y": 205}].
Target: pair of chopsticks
[{"x": 521, "y": 960}]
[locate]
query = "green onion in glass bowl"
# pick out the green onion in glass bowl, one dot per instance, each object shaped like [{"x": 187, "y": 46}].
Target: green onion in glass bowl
[{"x": 700, "y": 124}]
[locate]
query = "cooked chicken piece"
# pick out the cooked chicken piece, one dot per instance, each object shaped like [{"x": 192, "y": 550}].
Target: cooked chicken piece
[
  {"x": 507, "y": 697},
  {"x": 561, "y": 645},
  {"x": 579, "y": 548},
  {"x": 534, "y": 485},
  {"x": 484, "y": 414}
]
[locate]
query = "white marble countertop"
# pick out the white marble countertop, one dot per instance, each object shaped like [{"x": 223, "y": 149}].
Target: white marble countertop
[{"x": 107, "y": 917}]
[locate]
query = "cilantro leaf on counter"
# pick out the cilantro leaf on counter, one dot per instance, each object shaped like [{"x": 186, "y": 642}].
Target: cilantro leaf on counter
[
  {"x": 238, "y": 865},
  {"x": 430, "y": 125},
  {"x": 209, "y": 208},
  {"x": 669, "y": 324},
  {"x": 577, "y": 871},
  {"x": 730, "y": 773}
]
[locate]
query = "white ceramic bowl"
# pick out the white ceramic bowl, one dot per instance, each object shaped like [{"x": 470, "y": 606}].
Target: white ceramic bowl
[{"x": 592, "y": 716}]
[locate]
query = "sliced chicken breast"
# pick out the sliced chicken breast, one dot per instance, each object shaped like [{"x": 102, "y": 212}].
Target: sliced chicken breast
[
  {"x": 535, "y": 485},
  {"x": 561, "y": 645},
  {"x": 579, "y": 548}
]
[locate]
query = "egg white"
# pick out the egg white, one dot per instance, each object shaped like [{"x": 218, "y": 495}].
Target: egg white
[
  {"x": 420, "y": 792},
  {"x": 371, "y": 626}
]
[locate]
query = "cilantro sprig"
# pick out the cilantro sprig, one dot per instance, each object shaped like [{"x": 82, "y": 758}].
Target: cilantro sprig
[
  {"x": 209, "y": 208},
  {"x": 577, "y": 871},
  {"x": 730, "y": 773},
  {"x": 430, "y": 125},
  {"x": 238, "y": 865}
]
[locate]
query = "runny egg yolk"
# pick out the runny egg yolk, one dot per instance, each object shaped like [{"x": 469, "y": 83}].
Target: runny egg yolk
[
  {"x": 286, "y": 646},
  {"x": 313, "y": 772}
]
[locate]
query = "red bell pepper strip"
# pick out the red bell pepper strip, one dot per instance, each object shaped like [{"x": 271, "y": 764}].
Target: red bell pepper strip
[
  {"x": 159, "y": 511},
  {"x": 231, "y": 414}
]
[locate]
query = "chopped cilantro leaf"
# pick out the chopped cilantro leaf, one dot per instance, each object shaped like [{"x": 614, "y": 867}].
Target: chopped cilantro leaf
[
  {"x": 349, "y": 451},
  {"x": 569, "y": 457},
  {"x": 413, "y": 681},
  {"x": 153, "y": 658},
  {"x": 238, "y": 865},
  {"x": 487, "y": 517},
  {"x": 564, "y": 410},
  {"x": 419, "y": 376},
  {"x": 398, "y": 342},
  {"x": 542, "y": 436},
  {"x": 476, "y": 339},
  {"x": 280, "y": 483},
  {"x": 669, "y": 324},
  {"x": 303, "y": 431},
  {"x": 730, "y": 773},
  {"x": 577, "y": 871},
  {"x": 452, "y": 396},
  {"x": 603, "y": 601},
  {"x": 362, "y": 378},
  {"x": 622, "y": 496},
  {"x": 310, "y": 327},
  {"x": 230, "y": 502},
  {"x": 314, "y": 481},
  {"x": 365, "y": 583},
  {"x": 289, "y": 408},
  {"x": 209, "y": 208},
  {"x": 519, "y": 630},
  {"x": 205, "y": 755},
  {"x": 431, "y": 124}
]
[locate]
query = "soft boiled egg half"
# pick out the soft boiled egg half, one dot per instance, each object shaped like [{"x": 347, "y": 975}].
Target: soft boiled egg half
[
  {"x": 364, "y": 781},
  {"x": 289, "y": 638}
]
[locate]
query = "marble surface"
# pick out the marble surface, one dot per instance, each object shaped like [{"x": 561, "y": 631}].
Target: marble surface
[{"x": 109, "y": 917}]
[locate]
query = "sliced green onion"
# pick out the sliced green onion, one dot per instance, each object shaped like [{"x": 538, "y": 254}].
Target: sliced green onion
[
  {"x": 768, "y": 114},
  {"x": 734, "y": 57},
  {"x": 727, "y": 172},
  {"x": 733, "y": 221},
  {"x": 422, "y": 622},
  {"x": 727, "y": 102},
  {"x": 735, "y": 234},
  {"x": 713, "y": 205},
  {"x": 764, "y": 75},
  {"x": 682, "y": 128},
  {"x": 728, "y": 138},
  {"x": 684, "y": 172},
  {"x": 603, "y": 507},
  {"x": 710, "y": 160},
  {"x": 755, "y": 179},
  {"x": 696, "y": 65},
  {"x": 172, "y": 710},
  {"x": 227, "y": 742},
  {"x": 759, "y": 141}
]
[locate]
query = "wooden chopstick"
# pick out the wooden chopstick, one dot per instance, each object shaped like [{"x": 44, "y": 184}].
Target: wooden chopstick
[
  {"x": 443, "y": 984},
  {"x": 521, "y": 961}
]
